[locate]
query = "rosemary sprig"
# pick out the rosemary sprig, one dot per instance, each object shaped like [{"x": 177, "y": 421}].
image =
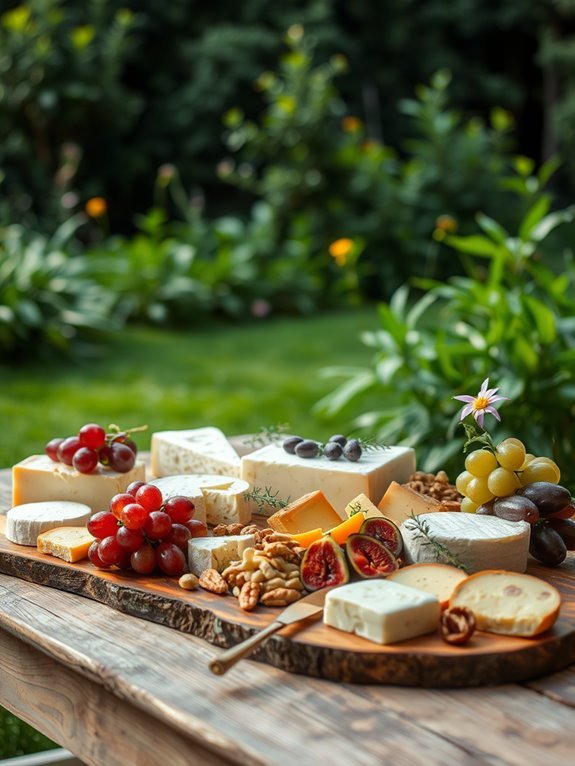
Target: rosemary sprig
[
  {"x": 442, "y": 553},
  {"x": 266, "y": 498},
  {"x": 369, "y": 445},
  {"x": 268, "y": 435},
  {"x": 354, "y": 508}
]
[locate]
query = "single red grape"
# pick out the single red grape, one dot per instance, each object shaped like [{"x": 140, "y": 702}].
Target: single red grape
[
  {"x": 180, "y": 508},
  {"x": 150, "y": 497},
  {"x": 103, "y": 524},
  {"x": 124, "y": 560},
  {"x": 134, "y": 516},
  {"x": 130, "y": 539},
  {"x": 179, "y": 536},
  {"x": 105, "y": 453},
  {"x": 94, "y": 556},
  {"x": 109, "y": 550},
  {"x": 92, "y": 436},
  {"x": 122, "y": 459},
  {"x": 132, "y": 445},
  {"x": 119, "y": 502},
  {"x": 143, "y": 560},
  {"x": 158, "y": 525},
  {"x": 85, "y": 460},
  {"x": 118, "y": 438},
  {"x": 197, "y": 528},
  {"x": 51, "y": 449},
  {"x": 170, "y": 559},
  {"x": 134, "y": 487},
  {"x": 68, "y": 449}
]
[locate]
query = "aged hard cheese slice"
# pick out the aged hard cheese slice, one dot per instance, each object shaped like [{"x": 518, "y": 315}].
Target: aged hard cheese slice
[
  {"x": 291, "y": 476},
  {"x": 478, "y": 542},
  {"x": 68, "y": 543},
  {"x": 216, "y": 552},
  {"x": 199, "y": 450},
  {"x": 309, "y": 512},
  {"x": 381, "y": 611},
  {"x": 362, "y": 504},
  {"x": 438, "y": 579},
  {"x": 399, "y": 503},
  {"x": 25, "y": 522},
  {"x": 38, "y": 478},
  {"x": 509, "y": 603},
  {"x": 217, "y": 499}
]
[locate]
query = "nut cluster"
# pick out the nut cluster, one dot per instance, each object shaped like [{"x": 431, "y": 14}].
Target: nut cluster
[
  {"x": 437, "y": 486},
  {"x": 261, "y": 536}
]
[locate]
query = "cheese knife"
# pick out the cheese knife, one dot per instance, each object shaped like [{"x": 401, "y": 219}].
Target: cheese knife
[{"x": 306, "y": 607}]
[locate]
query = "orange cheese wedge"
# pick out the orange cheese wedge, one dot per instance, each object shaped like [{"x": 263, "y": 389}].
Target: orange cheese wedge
[
  {"x": 348, "y": 527},
  {"x": 305, "y": 539}
]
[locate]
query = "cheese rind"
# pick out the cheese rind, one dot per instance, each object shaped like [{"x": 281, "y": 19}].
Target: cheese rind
[
  {"x": 509, "y": 603},
  {"x": 291, "y": 476},
  {"x": 399, "y": 503},
  {"x": 479, "y": 542},
  {"x": 381, "y": 611},
  {"x": 67, "y": 543},
  {"x": 25, "y": 522},
  {"x": 308, "y": 512},
  {"x": 217, "y": 499},
  {"x": 438, "y": 579},
  {"x": 216, "y": 552},
  {"x": 198, "y": 450},
  {"x": 37, "y": 478}
]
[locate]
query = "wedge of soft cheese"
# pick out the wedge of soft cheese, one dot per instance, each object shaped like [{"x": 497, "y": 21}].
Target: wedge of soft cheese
[
  {"x": 362, "y": 504},
  {"x": 399, "y": 503},
  {"x": 25, "y": 522},
  {"x": 291, "y": 476},
  {"x": 67, "y": 543},
  {"x": 509, "y": 603},
  {"x": 381, "y": 611},
  {"x": 476, "y": 541},
  {"x": 438, "y": 579},
  {"x": 217, "y": 499},
  {"x": 200, "y": 450},
  {"x": 38, "y": 478},
  {"x": 308, "y": 512},
  {"x": 216, "y": 552}
]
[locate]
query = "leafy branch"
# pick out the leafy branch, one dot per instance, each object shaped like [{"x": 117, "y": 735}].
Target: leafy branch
[
  {"x": 266, "y": 498},
  {"x": 268, "y": 435},
  {"x": 475, "y": 435},
  {"x": 441, "y": 552}
]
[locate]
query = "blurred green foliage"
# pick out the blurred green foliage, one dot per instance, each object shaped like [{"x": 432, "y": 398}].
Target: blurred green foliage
[{"x": 17, "y": 738}]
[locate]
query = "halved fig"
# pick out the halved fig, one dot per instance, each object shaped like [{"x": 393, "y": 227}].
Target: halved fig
[
  {"x": 385, "y": 531},
  {"x": 369, "y": 557},
  {"x": 324, "y": 565}
]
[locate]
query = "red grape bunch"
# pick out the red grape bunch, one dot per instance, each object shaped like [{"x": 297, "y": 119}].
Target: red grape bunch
[
  {"x": 94, "y": 445},
  {"x": 144, "y": 532}
]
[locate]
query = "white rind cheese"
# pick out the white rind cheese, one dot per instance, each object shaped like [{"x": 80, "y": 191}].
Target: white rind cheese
[
  {"x": 340, "y": 480},
  {"x": 37, "y": 478},
  {"x": 218, "y": 499},
  {"x": 381, "y": 611},
  {"x": 25, "y": 522},
  {"x": 199, "y": 450},
  {"x": 479, "y": 542},
  {"x": 216, "y": 552}
]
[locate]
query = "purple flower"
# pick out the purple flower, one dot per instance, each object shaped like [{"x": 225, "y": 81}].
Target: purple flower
[{"x": 480, "y": 404}]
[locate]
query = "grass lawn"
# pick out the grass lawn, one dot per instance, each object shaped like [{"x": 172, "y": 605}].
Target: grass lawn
[{"x": 237, "y": 378}]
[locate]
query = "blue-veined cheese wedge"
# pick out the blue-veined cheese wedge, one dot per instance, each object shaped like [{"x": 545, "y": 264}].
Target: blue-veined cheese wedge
[{"x": 195, "y": 451}]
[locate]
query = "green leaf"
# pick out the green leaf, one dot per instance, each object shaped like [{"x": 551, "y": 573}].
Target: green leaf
[
  {"x": 550, "y": 222},
  {"x": 492, "y": 228},
  {"x": 333, "y": 403},
  {"x": 533, "y": 216},
  {"x": 474, "y": 244},
  {"x": 523, "y": 165},
  {"x": 548, "y": 169},
  {"x": 544, "y": 318}
]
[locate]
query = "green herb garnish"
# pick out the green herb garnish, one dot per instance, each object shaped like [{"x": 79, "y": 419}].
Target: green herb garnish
[
  {"x": 266, "y": 498},
  {"x": 268, "y": 435}
]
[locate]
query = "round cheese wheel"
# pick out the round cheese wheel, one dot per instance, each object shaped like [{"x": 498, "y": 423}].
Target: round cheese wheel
[{"x": 25, "y": 522}]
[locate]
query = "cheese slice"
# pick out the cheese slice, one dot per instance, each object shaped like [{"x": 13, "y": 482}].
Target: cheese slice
[
  {"x": 399, "y": 503},
  {"x": 38, "y": 478},
  {"x": 362, "y": 504},
  {"x": 477, "y": 541},
  {"x": 291, "y": 476},
  {"x": 216, "y": 552},
  {"x": 381, "y": 611},
  {"x": 509, "y": 603},
  {"x": 217, "y": 499},
  {"x": 309, "y": 512},
  {"x": 68, "y": 543},
  {"x": 25, "y": 522},
  {"x": 199, "y": 450},
  {"x": 438, "y": 579}
]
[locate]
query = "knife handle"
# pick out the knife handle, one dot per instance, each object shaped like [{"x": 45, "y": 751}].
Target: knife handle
[{"x": 227, "y": 659}]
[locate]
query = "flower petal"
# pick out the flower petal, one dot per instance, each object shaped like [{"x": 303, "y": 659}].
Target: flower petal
[
  {"x": 497, "y": 399},
  {"x": 484, "y": 387},
  {"x": 465, "y": 398},
  {"x": 491, "y": 391},
  {"x": 478, "y": 415},
  {"x": 493, "y": 411},
  {"x": 467, "y": 410}
]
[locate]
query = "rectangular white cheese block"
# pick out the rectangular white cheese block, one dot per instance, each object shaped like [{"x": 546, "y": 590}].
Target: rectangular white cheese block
[
  {"x": 216, "y": 552},
  {"x": 25, "y": 522},
  {"x": 217, "y": 499},
  {"x": 38, "y": 478},
  {"x": 381, "y": 611},
  {"x": 340, "y": 480},
  {"x": 477, "y": 541},
  {"x": 199, "y": 450}
]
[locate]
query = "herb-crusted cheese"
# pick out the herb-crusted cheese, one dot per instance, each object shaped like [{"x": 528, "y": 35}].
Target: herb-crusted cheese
[
  {"x": 216, "y": 552},
  {"x": 476, "y": 541},
  {"x": 196, "y": 451}
]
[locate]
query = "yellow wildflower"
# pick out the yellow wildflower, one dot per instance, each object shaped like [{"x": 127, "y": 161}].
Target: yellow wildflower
[
  {"x": 96, "y": 207},
  {"x": 351, "y": 124},
  {"x": 340, "y": 250}
]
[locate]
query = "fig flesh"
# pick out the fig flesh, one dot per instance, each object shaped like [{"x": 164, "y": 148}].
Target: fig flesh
[
  {"x": 369, "y": 557},
  {"x": 324, "y": 565},
  {"x": 385, "y": 531}
]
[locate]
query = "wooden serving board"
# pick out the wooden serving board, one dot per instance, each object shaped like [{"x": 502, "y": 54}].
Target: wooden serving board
[{"x": 312, "y": 648}]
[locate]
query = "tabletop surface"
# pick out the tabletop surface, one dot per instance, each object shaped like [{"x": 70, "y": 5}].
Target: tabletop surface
[{"x": 118, "y": 690}]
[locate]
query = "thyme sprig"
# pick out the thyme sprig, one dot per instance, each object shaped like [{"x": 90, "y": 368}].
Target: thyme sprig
[
  {"x": 354, "y": 508},
  {"x": 266, "y": 498},
  {"x": 268, "y": 435},
  {"x": 441, "y": 552}
]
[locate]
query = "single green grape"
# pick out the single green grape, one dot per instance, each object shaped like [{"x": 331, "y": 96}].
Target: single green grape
[
  {"x": 478, "y": 491},
  {"x": 462, "y": 481},
  {"x": 540, "y": 471},
  {"x": 503, "y": 482},
  {"x": 468, "y": 506},
  {"x": 481, "y": 462},
  {"x": 511, "y": 454},
  {"x": 552, "y": 463},
  {"x": 528, "y": 458}
]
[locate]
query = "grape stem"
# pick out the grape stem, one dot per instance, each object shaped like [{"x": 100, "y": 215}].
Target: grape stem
[
  {"x": 476, "y": 435},
  {"x": 116, "y": 429}
]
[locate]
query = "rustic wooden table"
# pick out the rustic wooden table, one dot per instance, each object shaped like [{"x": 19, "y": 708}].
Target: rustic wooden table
[{"x": 119, "y": 691}]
